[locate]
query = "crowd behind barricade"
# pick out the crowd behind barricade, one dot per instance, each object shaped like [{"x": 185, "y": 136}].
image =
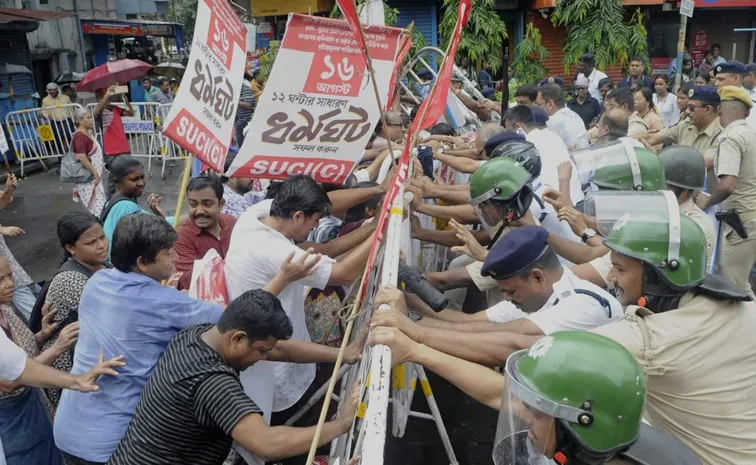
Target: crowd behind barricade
[{"x": 599, "y": 295}]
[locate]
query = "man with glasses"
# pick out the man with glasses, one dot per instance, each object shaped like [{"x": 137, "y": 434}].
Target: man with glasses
[
  {"x": 699, "y": 131},
  {"x": 567, "y": 124},
  {"x": 587, "y": 107}
]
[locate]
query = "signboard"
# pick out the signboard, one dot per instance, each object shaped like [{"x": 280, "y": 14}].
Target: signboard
[
  {"x": 317, "y": 121},
  {"x": 201, "y": 119},
  {"x": 45, "y": 132},
  {"x": 262, "y": 8},
  {"x": 700, "y": 45},
  {"x": 132, "y": 125},
  {"x": 660, "y": 65},
  {"x": 111, "y": 29},
  {"x": 686, "y": 8}
]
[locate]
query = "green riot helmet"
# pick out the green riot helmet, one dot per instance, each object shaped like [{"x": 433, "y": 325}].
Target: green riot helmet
[
  {"x": 648, "y": 227},
  {"x": 521, "y": 151},
  {"x": 622, "y": 165},
  {"x": 501, "y": 193},
  {"x": 582, "y": 389},
  {"x": 683, "y": 167}
]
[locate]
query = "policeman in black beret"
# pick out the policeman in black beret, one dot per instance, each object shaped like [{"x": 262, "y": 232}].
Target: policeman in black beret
[{"x": 730, "y": 73}]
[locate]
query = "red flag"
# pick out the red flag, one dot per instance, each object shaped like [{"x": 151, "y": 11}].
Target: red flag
[
  {"x": 350, "y": 13},
  {"x": 397, "y": 67},
  {"x": 437, "y": 100}
]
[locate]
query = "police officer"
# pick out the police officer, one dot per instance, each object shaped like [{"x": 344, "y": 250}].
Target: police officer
[
  {"x": 685, "y": 174},
  {"x": 574, "y": 398},
  {"x": 691, "y": 332},
  {"x": 730, "y": 73},
  {"x": 540, "y": 297},
  {"x": 735, "y": 165},
  {"x": 700, "y": 130}
]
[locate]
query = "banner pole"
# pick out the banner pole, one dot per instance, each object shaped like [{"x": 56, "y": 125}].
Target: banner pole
[
  {"x": 182, "y": 189},
  {"x": 358, "y": 302}
]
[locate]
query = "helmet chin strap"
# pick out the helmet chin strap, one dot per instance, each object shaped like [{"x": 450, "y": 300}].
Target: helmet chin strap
[{"x": 658, "y": 296}]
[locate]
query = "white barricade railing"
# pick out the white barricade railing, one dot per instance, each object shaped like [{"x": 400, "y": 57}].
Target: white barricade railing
[
  {"x": 41, "y": 133},
  {"x": 169, "y": 150},
  {"x": 142, "y": 130}
]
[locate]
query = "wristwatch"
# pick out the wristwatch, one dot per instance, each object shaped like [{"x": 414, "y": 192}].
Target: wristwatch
[{"x": 589, "y": 233}]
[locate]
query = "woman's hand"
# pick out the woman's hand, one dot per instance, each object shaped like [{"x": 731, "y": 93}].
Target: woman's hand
[
  {"x": 11, "y": 231},
  {"x": 48, "y": 325},
  {"x": 67, "y": 337},
  {"x": 154, "y": 201}
]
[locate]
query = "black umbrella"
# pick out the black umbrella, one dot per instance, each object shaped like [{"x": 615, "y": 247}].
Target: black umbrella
[{"x": 69, "y": 78}]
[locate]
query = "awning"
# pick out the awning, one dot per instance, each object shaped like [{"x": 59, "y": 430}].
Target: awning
[{"x": 9, "y": 15}]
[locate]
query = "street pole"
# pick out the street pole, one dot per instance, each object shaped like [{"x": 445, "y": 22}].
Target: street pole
[
  {"x": 504, "y": 78},
  {"x": 680, "y": 51}
]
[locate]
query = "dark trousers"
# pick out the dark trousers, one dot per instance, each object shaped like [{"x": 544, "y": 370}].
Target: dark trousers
[
  {"x": 77, "y": 461},
  {"x": 111, "y": 187}
]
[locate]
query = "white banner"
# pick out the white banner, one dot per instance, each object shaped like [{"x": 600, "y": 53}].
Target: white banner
[
  {"x": 202, "y": 117},
  {"x": 3, "y": 142},
  {"x": 318, "y": 110}
]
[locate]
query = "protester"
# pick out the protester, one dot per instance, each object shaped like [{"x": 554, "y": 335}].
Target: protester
[
  {"x": 85, "y": 251},
  {"x": 125, "y": 310},
  {"x": 703, "y": 79},
  {"x": 127, "y": 174},
  {"x": 196, "y": 389},
  {"x": 587, "y": 107},
  {"x": 717, "y": 58},
  {"x": 624, "y": 100},
  {"x": 665, "y": 102},
  {"x": 206, "y": 228},
  {"x": 605, "y": 85},
  {"x": 24, "y": 412},
  {"x": 70, "y": 91},
  {"x": 526, "y": 94},
  {"x": 707, "y": 63},
  {"x": 235, "y": 190},
  {"x": 114, "y": 139},
  {"x": 89, "y": 153},
  {"x": 562, "y": 121},
  {"x": 587, "y": 68}
]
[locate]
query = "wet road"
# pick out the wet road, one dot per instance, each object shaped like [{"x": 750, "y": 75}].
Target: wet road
[{"x": 41, "y": 199}]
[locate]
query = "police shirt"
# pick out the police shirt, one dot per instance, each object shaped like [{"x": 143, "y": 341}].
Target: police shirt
[
  {"x": 700, "y": 365},
  {"x": 685, "y": 133},
  {"x": 575, "y": 304},
  {"x": 737, "y": 157}
]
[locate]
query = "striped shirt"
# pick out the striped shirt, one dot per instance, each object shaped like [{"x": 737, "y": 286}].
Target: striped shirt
[
  {"x": 191, "y": 404},
  {"x": 243, "y": 115}
]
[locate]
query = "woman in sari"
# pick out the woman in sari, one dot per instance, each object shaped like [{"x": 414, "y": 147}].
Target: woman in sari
[
  {"x": 25, "y": 414},
  {"x": 85, "y": 251},
  {"x": 89, "y": 153}
]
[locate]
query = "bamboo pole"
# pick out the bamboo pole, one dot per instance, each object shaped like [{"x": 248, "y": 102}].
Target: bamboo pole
[{"x": 182, "y": 189}]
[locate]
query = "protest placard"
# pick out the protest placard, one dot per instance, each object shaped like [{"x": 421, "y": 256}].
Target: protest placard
[
  {"x": 318, "y": 110},
  {"x": 201, "y": 119}
]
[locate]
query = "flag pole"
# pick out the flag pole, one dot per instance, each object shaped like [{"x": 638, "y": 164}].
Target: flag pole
[{"x": 182, "y": 189}]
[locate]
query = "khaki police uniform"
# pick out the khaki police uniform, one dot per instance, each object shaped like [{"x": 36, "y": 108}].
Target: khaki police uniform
[
  {"x": 737, "y": 157},
  {"x": 700, "y": 364},
  {"x": 685, "y": 133}
]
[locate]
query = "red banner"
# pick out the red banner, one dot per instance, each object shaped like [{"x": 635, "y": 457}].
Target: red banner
[
  {"x": 350, "y": 13},
  {"x": 438, "y": 95},
  {"x": 398, "y": 67}
]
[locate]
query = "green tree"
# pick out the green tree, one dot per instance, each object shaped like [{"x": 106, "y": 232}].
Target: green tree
[
  {"x": 599, "y": 27},
  {"x": 527, "y": 64},
  {"x": 483, "y": 36},
  {"x": 184, "y": 12}
]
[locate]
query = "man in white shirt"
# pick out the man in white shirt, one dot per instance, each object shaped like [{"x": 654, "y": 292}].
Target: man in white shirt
[
  {"x": 564, "y": 122},
  {"x": 263, "y": 238},
  {"x": 541, "y": 297},
  {"x": 552, "y": 149},
  {"x": 587, "y": 68}
]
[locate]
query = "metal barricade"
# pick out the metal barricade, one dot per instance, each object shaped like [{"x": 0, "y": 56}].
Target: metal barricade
[
  {"x": 142, "y": 130},
  {"x": 41, "y": 133},
  {"x": 169, "y": 150}
]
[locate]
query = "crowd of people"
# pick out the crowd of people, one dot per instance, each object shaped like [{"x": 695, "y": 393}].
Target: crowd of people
[{"x": 587, "y": 268}]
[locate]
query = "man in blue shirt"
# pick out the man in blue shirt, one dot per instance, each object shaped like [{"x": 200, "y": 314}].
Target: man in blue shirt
[{"x": 124, "y": 310}]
